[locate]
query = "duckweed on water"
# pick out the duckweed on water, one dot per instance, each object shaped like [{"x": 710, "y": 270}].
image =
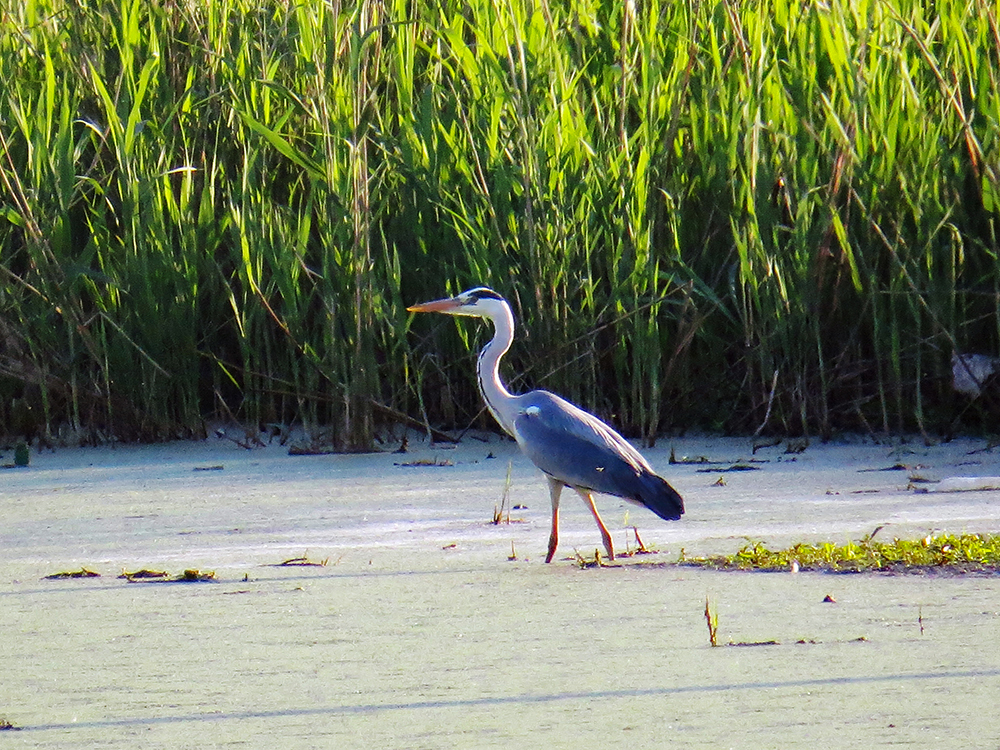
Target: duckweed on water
[{"x": 946, "y": 553}]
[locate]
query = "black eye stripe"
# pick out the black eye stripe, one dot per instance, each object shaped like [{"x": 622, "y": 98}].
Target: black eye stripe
[{"x": 483, "y": 293}]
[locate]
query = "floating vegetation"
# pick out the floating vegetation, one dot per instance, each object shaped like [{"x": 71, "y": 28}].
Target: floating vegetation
[
  {"x": 81, "y": 573},
  {"x": 191, "y": 575},
  {"x": 596, "y": 562},
  {"x": 310, "y": 450},
  {"x": 143, "y": 574},
  {"x": 158, "y": 576},
  {"x": 427, "y": 462},
  {"x": 739, "y": 466},
  {"x": 690, "y": 460},
  {"x": 967, "y": 553},
  {"x": 894, "y": 467},
  {"x": 194, "y": 576}
]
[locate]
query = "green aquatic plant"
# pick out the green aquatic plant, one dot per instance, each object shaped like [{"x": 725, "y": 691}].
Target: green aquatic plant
[
  {"x": 597, "y": 561},
  {"x": 946, "y": 553}
]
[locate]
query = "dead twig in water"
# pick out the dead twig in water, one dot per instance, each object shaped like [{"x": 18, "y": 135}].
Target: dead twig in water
[
  {"x": 303, "y": 561},
  {"x": 504, "y": 499}
]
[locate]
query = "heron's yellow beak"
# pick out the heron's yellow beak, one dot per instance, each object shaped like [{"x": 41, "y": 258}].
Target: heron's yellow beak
[{"x": 438, "y": 305}]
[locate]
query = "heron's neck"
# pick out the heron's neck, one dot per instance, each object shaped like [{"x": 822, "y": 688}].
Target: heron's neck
[{"x": 498, "y": 399}]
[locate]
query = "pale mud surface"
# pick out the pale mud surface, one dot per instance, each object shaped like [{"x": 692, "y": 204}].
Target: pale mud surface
[{"x": 421, "y": 633}]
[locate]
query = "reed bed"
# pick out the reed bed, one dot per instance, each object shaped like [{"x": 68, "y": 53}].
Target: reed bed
[{"x": 768, "y": 216}]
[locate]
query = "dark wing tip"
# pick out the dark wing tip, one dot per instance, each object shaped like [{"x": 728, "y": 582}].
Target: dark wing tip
[{"x": 663, "y": 499}]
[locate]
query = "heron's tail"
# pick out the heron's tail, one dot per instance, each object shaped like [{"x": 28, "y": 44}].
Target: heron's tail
[{"x": 661, "y": 498}]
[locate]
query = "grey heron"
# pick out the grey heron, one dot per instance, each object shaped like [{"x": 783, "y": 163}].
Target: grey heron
[{"x": 572, "y": 447}]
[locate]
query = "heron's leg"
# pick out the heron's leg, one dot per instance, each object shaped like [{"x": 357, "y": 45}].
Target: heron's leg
[
  {"x": 588, "y": 498},
  {"x": 555, "y": 490}
]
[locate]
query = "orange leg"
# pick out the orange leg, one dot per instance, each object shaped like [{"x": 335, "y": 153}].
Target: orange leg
[
  {"x": 555, "y": 490},
  {"x": 588, "y": 498}
]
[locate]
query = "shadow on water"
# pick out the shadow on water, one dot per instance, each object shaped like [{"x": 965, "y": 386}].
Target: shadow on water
[{"x": 491, "y": 701}]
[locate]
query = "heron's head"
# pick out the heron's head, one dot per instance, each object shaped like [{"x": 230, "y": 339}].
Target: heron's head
[{"x": 479, "y": 303}]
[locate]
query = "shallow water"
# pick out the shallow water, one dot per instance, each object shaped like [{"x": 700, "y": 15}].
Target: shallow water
[{"x": 420, "y": 632}]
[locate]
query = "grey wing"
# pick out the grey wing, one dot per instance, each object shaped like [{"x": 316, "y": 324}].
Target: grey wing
[{"x": 577, "y": 448}]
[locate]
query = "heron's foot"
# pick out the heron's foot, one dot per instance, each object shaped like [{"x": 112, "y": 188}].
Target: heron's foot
[
  {"x": 609, "y": 547},
  {"x": 553, "y": 543}
]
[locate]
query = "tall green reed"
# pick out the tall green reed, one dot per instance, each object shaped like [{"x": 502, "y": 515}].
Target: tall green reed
[{"x": 769, "y": 216}]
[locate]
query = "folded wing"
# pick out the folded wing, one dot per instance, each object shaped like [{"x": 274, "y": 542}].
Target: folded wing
[{"x": 580, "y": 450}]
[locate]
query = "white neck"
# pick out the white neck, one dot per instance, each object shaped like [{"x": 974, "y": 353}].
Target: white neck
[{"x": 498, "y": 399}]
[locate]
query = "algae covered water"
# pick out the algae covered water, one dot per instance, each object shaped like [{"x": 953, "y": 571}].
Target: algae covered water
[{"x": 420, "y": 631}]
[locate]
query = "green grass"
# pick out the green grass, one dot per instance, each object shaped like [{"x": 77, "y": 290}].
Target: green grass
[
  {"x": 219, "y": 211},
  {"x": 945, "y": 553}
]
